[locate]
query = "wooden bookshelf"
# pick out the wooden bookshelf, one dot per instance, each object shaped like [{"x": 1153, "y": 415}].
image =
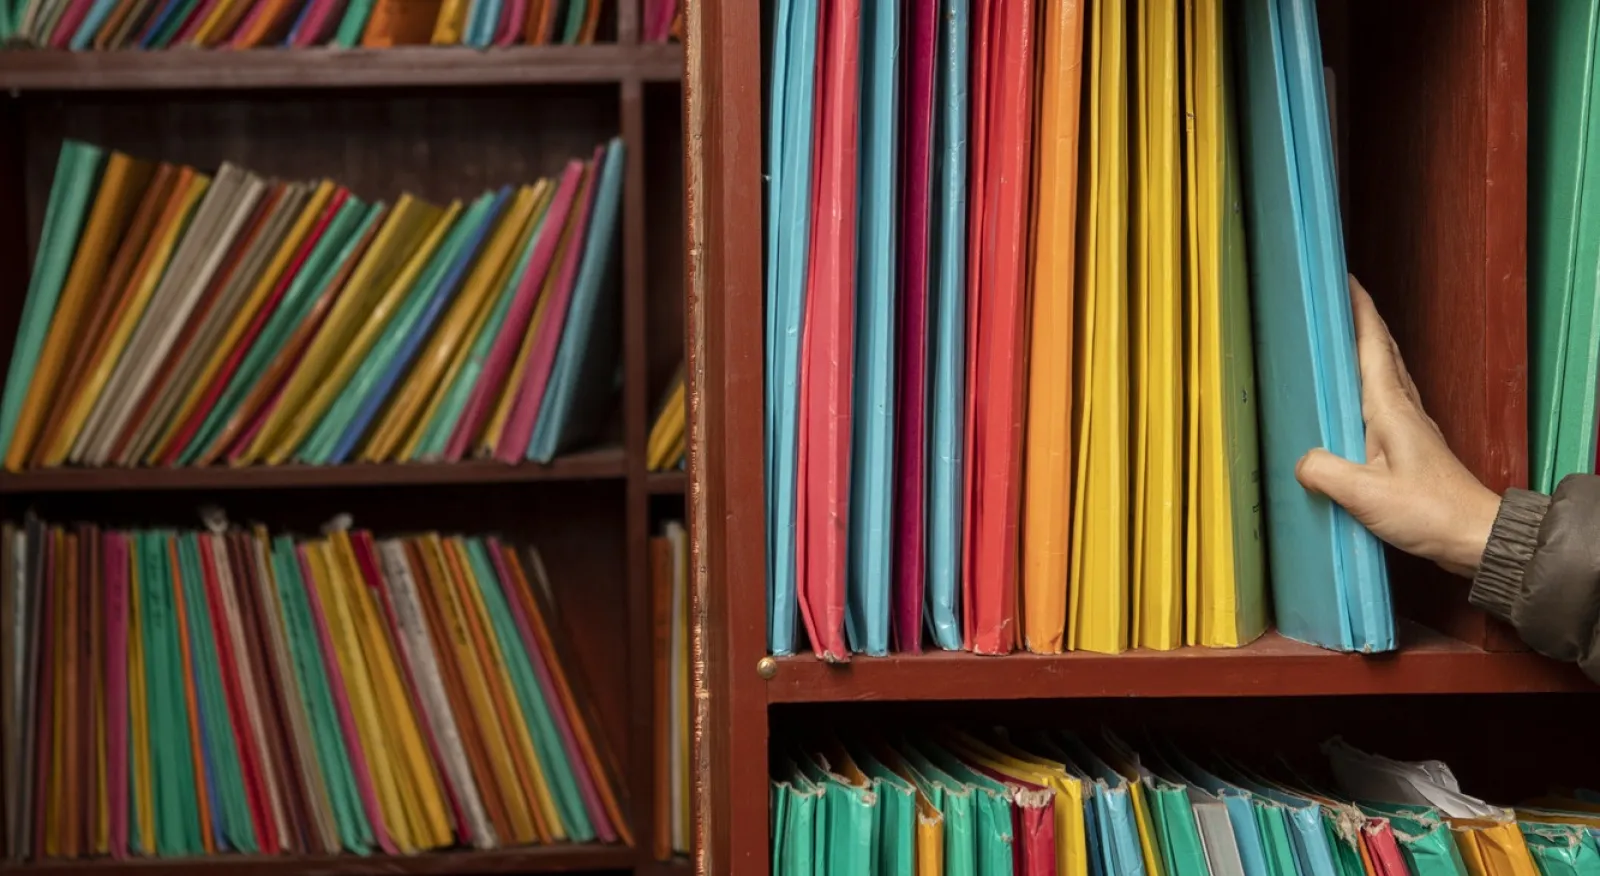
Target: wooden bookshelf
[
  {"x": 1433, "y": 142},
  {"x": 542, "y": 859},
  {"x": 487, "y": 118},
  {"x": 400, "y": 67},
  {"x": 1427, "y": 663},
  {"x": 600, "y": 464}
]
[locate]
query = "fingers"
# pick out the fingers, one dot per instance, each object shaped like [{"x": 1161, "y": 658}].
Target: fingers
[
  {"x": 1347, "y": 483},
  {"x": 1385, "y": 384}
]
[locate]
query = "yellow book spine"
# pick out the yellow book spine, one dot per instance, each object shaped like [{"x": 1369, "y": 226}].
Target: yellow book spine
[
  {"x": 397, "y": 239},
  {"x": 667, "y": 431},
  {"x": 511, "y": 790},
  {"x": 425, "y": 373},
  {"x": 430, "y": 822},
  {"x": 120, "y": 187},
  {"x": 313, "y": 209},
  {"x": 206, "y": 34},
  {"x": 1098, "y": 594},
  {"x": 72, "y": 432},
  {"x": 473, "y": 590},
  {"x": 358, "y": 688},
  {"x": 499, "y": 287},
  {"x": 452, "y": 20}
]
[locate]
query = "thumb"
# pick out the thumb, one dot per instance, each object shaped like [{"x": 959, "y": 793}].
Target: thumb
[{"x": 1341, "y": 480}]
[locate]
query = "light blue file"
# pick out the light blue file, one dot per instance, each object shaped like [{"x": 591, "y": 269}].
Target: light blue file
[
  {"x": 788, "y": 240},
  {"x": 1313, "y": 855},
  {"x": 947, "y": 303},
  {"x": 1120, "y": 852},
  {"x": 871, "y": 539},
  {"x": 1330, "y": 585}
]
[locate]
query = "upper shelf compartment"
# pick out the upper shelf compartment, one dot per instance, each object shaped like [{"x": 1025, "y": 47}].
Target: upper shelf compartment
[{"x": 408, "y": 66}]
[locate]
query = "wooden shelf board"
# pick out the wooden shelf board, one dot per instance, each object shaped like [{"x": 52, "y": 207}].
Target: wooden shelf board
[
  {"x": 667, "y": 482},
  {"x": 1427, "y": 662},
  {"x": 534, "y": 859},
  {"x": 598, "y": 464},
  {"x": 402, "y": 66}
]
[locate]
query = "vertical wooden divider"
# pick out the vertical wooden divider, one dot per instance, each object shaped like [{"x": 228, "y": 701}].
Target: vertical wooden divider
[
  {"x": 722, "y": 156},
  {"x": 635, "y": 381}
]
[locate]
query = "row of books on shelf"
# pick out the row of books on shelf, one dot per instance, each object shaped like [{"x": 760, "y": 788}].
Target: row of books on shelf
[
  {"x": 669, "y": 588},
  {"x": 82, "y": 25},
  {"x": 176, "y": 318},
  {"x": 667, "y": 449},
  {"x": 204, "y": 692},
  {"x": 1012, "y": 346},
  {"x": 1040, "y": 802}
]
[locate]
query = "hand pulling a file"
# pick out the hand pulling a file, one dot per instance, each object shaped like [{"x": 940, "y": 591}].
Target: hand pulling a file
[{"x": 1412, "y": 492}]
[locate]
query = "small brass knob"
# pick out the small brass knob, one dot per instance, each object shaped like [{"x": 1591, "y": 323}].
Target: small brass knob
[{"x": 767, "y": 668}]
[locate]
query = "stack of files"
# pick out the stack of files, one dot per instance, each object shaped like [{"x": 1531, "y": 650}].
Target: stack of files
[
  {"x": 663, "y": 19},
  {"x": 177, "y": 693},
  {"x": 82, "y": 25},
  {"x": 669, "y": 573},
  {"x": 1000, "y": 801},
  {"x": 179, "y": 318},
  {"x": 1332, "y": 588},
  {"x": 1010, "y": 331},
  {"x": 1563, "y": 237},
  {"x": 667, "y": 449}
]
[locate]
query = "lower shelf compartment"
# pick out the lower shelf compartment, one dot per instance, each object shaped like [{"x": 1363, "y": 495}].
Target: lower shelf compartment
[
  {"x": 1426, "y": 663},
  {"x": 532, "y": 859}
]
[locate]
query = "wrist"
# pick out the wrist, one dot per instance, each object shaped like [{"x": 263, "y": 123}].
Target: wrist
[{"x": 1470, "y": 535}]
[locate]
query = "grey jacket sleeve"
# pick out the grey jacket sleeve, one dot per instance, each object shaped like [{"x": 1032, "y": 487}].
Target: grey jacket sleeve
[{"x": 1541, "y": 570}]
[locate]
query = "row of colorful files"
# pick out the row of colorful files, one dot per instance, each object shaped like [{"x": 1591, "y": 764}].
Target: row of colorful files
[
  {"x": 667, "y": 449},
  {"x": 174, "y": 318},
  {"x": 82, "y": 25},
  {"x": 669, "y": 588},
  {"x": 1563, "y": 240},
  {"x": 1012, "y": 346},
  {"x": 178, "y": 693},
  {"x": 1043, "y": 803}
]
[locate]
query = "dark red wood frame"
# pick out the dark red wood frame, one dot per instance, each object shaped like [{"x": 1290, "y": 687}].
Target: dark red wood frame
[{"x": 1433, "y": 122}]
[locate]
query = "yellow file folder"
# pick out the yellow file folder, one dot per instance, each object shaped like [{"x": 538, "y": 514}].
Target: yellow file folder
[
  {"x": 1225, "y": 565},
  {"x": 1098, "y": 605},
  {"x": 1157, "y": 322}
]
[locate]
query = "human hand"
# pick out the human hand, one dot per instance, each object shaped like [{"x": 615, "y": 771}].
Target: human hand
[{"x": 1412, "y": 492}]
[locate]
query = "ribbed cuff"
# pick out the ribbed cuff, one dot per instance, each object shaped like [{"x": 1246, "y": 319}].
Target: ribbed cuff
[{"x": 1512, "y": 542}]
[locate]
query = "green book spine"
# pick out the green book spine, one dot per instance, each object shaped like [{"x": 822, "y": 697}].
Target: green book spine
[
  {"x": 355, "y": 833},
  {"x": 77, "y": 175},
  {"x": 354, "y": 24}
]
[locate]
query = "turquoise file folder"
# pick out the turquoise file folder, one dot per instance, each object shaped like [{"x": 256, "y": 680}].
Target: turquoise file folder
[
  {"x": 788, "y": 237},
  {"x": 1330, "y": 584}
]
